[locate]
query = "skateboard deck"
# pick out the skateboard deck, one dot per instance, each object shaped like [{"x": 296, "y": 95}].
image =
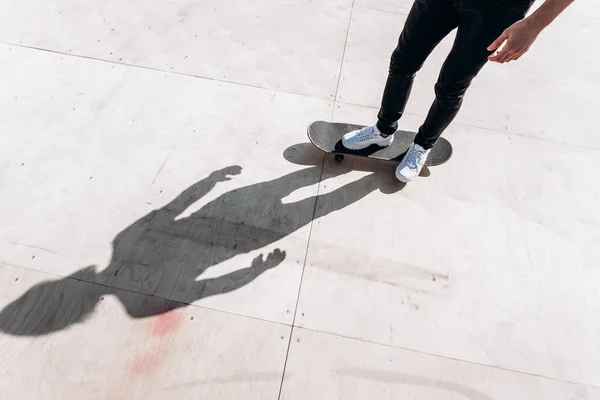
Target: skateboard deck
[{"x": 327, "y": 137}]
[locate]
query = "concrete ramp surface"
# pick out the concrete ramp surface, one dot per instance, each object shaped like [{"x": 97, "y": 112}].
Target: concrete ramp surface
[{"x": 167, "y": 231}]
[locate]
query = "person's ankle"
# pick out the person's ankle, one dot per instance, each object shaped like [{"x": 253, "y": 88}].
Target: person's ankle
[
  {"x": 382, "y": 134},
  {"x": 424, "y": 147}
]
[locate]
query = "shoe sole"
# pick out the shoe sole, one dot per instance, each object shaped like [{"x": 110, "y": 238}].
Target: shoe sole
[
  {"x": 404, "y": 180},
  {"x": 365, "y": 147}
]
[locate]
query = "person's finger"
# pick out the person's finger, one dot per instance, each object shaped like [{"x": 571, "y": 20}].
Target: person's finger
[
  {"x": 501, "y": 55},
  {"x": 498, "y": 42},
  {"x": 509, "y": 57},
  {"x": 495, "y": 57},
  {"x": 523, "y": 52},
  {"x": 518, "y": 55},
  {"x": 507, "y": 53}
]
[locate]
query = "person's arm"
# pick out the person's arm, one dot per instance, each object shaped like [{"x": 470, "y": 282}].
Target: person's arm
[
  {"x": 199, "y": 189},
  {"x": 521, "y": 35}
]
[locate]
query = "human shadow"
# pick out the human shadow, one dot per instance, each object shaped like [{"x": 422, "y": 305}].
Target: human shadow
[{"x": 163, "y": 254}]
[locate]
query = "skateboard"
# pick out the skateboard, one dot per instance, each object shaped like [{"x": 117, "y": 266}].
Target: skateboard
[{"x": 327, "y": 137}]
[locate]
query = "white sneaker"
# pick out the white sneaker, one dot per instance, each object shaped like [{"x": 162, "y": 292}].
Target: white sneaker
[
  {"x": 412, "y": 163},
  {"x": 363, "y": 138}
]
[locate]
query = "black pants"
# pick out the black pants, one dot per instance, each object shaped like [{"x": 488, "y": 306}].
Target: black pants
[{"x": 479, "y": 23}]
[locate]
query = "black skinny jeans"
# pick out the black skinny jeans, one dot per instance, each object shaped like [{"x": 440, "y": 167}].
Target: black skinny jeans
[{"x": 479, "y": 23}]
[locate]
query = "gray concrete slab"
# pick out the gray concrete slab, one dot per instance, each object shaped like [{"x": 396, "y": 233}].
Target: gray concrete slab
[
  {"x": 98, "y": 351},
  {"x": 485, "y": 270},
  {"x": 394, "y": 6},
  {"x": 139, "y": 185},
  {"x": 250, "y": 42},
  {"x": 323, "y": 366},
  {"x": 83, "y": 144},
  {"x": 154, "y": 168}
]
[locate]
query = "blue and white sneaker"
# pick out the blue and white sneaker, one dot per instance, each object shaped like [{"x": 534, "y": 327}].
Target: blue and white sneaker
[
  {"x": 412, "y": 163},
  {"x": 363, "y": 138}
]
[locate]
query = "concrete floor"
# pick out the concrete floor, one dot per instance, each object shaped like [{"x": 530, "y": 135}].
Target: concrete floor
[{"x": 167, "y": 233}]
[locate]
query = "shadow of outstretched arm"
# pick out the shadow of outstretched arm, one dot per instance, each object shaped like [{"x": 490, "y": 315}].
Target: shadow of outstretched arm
[
  {"x": 351, "y": 193},
  {"x": 230, "y": 282},
  {"x": 125, "y": 244},
  {"x": 199, "y": 189}
]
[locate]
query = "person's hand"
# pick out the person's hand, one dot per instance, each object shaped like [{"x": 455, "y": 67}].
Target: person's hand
[
  {"x": 518, "y": 37},
  {"x": 274, "y": 258},
  {"x": 225, "y": 173}
]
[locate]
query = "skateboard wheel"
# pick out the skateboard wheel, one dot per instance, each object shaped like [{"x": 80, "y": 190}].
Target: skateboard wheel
[{"x": 339, "y": 157}]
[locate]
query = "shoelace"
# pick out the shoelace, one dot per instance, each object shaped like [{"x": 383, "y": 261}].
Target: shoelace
[
  {"x": 366, "y": 133},
  {"x": 414, "y": 157}
]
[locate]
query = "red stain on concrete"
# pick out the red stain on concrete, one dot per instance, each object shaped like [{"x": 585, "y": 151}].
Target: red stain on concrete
[
  {"x": 147, "y": 363},
  {"x": 164, "y": 324},
  {"x": 155, "y": 347}
]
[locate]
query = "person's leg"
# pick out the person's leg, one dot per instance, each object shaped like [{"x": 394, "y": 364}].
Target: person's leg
[
  {"x": 428, "y": 22},
  {"x": 480, "y": 24}
]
